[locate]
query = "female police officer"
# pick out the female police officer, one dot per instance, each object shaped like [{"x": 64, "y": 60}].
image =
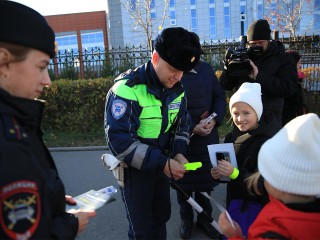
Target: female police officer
[{"x": 32, "y": 196}]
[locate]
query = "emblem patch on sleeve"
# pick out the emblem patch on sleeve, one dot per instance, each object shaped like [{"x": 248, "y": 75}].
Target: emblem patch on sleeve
[
  {"x": 118, "y": 108},
  {"x": 20, "y": 209}
]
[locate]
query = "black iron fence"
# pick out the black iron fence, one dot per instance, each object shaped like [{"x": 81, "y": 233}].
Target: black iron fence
[{"x": 104, "y": 63}]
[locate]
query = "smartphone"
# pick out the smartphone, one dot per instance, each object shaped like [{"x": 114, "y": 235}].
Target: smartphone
[{"x": 222, "y": 156}]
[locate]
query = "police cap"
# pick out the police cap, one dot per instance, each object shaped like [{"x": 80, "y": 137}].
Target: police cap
[
  {"x": 178, "y": 47},
  {"x": 24, "y": 26}
]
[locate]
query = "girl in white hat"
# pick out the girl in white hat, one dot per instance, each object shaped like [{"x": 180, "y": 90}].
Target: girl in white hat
[
  {"x": 289, "y": 163},
  {"x": 246, "y": 110}
]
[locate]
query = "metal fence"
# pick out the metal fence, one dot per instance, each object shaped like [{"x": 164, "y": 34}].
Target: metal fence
[{"x": 105, "y": 63}]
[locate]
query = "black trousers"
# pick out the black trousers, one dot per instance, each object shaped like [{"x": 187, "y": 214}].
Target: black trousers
[{"x": 146, "y": 197}]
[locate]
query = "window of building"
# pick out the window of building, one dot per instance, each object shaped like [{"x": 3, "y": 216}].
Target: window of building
[
  {"x": 243, "y": 17},
  {"x": 133, "y": 5},
  {"x": 273, "y": 16},
  {"x": 92, "y": 40},
  {"x": 153, "y": 14},
  {"x": 260, "y": 10},
  {"x": 67, "y": 43},
  {"x": 316, "y": 22},
  {"x": 211, "y": 1},
  {"x": 226, "y": 11},
  {"x": 193, "y": 2},
  {"x": 152, "y": 3},
  {"x": 67, "y": 48},
  {"x": 173, "y": 17},
  {"x": 172, "y": 3},
  {"x": 194, "y": 20},
  {"x": 317, "y": 4},
  {"x": 212, "y": 23}
]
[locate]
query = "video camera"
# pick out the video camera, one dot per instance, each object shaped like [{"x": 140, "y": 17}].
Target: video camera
[{"x": 238, "y": 59}]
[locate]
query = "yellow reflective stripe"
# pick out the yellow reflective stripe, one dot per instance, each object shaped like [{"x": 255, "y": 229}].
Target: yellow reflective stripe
[
  {"x": 151, "y": 116},
  {"x": 122, "y": 90}
]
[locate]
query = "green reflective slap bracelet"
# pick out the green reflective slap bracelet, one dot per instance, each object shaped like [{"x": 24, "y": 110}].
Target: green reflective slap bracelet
[{"x": 193, "y": 166}]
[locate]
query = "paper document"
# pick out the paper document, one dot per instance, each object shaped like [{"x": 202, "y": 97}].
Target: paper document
[{"x": 221, "y": 151}]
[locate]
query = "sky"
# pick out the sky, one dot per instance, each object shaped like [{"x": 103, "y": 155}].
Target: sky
[{"x": 54, "y": 7}]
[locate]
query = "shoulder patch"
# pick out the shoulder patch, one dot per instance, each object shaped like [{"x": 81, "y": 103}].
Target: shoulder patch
[
  {"x": 20, "y": 209},
  {"x": 13, "y": 130},
  {"x": 118, "y": 108}
]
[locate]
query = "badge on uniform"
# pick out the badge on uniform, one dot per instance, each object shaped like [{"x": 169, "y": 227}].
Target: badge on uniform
[
  {"x": 173, "y": 106},
  {"x": 19, "y": 209},
  {"x": 118, "y": 108}
]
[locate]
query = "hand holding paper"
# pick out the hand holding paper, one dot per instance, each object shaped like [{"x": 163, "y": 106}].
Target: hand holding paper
[
  {"x": 224, "y": 153},
  {"x": 220, "y": 207},
  {"x": 229, "y": 228}
]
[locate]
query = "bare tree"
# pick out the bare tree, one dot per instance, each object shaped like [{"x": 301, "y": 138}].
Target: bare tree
[
  {"x": 286, "y": 15},
  {"x": 140, "y": 11}
]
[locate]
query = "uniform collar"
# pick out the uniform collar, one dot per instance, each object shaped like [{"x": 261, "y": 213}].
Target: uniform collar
[{"x": 28, "y": 112}]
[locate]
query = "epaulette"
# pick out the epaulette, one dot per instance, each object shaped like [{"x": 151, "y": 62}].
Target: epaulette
[{"x": 13, "y": 130}]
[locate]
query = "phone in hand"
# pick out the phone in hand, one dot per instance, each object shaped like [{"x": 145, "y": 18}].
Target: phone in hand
[{"x": 223, "y": 156}]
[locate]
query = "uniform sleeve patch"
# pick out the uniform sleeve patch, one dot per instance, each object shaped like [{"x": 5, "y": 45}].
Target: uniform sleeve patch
[
  {"x": 118, "y": 108},
  {"x": 20, "y": 209}
]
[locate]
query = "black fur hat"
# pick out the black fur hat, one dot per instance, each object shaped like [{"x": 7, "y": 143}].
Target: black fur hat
[
  {"x": 24, "y": 26},
  {"x": 179, "y": 47},
  {"x": 259, "y": 30}
]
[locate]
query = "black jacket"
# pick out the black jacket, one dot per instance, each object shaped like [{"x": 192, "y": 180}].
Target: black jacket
[
  {"x": 204, "y": 94},
  {"x": 294, "y": 105},
  {"x": 277, "y": 76},
  {"x": 32, "y": 196},
  {"x": 247, "y": 146}
]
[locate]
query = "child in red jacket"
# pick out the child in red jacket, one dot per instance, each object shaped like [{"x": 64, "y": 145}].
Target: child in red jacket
[{"x": 290, "y": 165}]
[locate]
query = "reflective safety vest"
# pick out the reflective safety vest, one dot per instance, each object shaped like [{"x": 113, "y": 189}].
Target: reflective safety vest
[{"x": 151, "y": 114}]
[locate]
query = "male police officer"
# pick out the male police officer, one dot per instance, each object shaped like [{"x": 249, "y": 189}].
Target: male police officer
[{"x": 145, "y": 115}]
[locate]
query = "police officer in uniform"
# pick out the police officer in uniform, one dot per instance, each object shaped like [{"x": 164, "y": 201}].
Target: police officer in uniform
[
  {"x": 146, "y": 119},
  {"x": 32, "y": 196}
]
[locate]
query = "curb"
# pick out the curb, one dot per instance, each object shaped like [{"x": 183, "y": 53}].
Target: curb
[
  {"x": 88, "y": 148},
  {"x": 69, "y": 149}
]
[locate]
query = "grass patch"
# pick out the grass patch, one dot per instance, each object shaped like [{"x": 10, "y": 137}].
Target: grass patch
[
  {"x": 96, "y": 137},
  {"x": 62, "y": 139}
]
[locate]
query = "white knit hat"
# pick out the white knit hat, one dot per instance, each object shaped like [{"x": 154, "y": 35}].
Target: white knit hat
[
  {"x": 290, "y": 160},
  {"x": 249, "y": 93}
]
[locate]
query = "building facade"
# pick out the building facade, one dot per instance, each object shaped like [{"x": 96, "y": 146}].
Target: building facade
[
  {"x": 79, "y": 34},
  {"x": 210, "y": 19},
  {"x": 80, "y": 31}
]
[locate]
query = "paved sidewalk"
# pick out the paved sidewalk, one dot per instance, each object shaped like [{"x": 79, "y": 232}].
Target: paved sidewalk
[{"x": 82, "y": 170}]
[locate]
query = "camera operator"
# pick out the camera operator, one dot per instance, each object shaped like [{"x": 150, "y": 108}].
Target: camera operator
[{"x": 269, "y": 66}]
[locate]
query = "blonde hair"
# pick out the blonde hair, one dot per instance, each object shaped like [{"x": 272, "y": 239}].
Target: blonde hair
[{"x": 252, "y": 183}]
